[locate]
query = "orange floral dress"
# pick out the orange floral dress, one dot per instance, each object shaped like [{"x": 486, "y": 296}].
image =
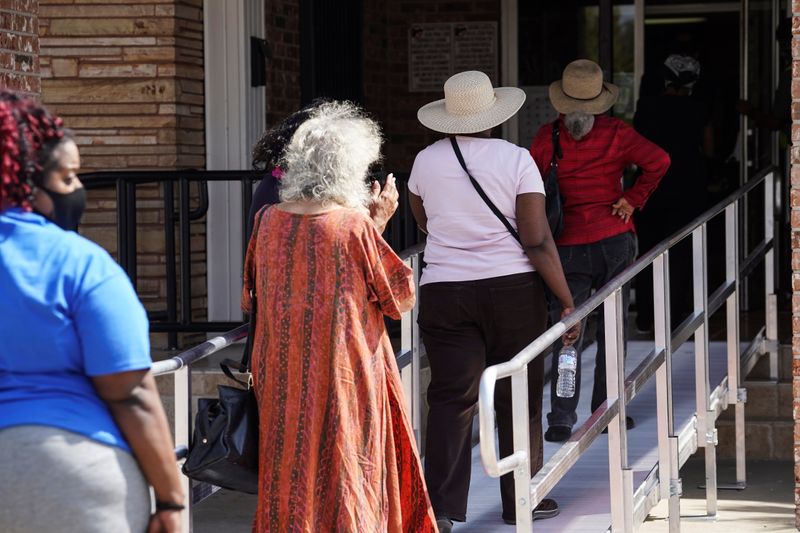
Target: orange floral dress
[{"x": 336, "y": 448}]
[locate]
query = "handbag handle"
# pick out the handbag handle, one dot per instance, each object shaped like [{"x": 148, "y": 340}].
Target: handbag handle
[
  {"x": 482, "y": 194},
  {"x": 245, "y": 366}
]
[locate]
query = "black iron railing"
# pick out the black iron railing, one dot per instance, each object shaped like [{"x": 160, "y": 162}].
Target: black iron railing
[{"x": 185, "y": 201}]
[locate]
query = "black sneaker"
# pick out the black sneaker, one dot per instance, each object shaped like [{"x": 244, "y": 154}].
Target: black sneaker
[
  {"x": 548, "y": 508},
  {"x": 557, "y": 433},
  {"x": 444, "y": 524}
]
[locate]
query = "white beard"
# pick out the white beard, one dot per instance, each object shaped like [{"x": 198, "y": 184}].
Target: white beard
[{"x": 579, "y": 124}]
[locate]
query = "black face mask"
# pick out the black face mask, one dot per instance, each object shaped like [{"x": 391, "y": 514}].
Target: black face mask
[{"x": 67, "y": 208}]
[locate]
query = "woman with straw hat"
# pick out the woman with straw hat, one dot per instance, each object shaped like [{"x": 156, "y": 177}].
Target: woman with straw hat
[{"x": 488, "y": 255}]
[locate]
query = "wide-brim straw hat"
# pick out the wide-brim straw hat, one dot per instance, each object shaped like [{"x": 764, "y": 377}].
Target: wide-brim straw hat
[
  {"x": 471, "y": 105},
  {"x": 581, "y": 88}
]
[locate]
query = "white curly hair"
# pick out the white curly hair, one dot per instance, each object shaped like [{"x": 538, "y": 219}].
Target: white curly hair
[{"x": 329, "y": 155}]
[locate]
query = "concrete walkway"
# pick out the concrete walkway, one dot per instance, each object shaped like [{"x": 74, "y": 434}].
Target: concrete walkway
[
  {"x": 767, "y": 505},
  {"x": 583, "y": 494}
]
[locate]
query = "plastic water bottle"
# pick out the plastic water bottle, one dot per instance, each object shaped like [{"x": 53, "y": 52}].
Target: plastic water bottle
[{"x": 567, "y": 366}]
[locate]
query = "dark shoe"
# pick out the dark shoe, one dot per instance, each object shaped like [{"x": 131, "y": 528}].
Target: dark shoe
[
  {"x": 444, "y": 524},
  {"x": 557, "y": 433},
  {"x": 548, "y": 508},
  {"x": 629, "y": 424}
]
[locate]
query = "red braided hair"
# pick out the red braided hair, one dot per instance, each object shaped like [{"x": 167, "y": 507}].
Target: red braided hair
[{"x": 28, "y": 136}]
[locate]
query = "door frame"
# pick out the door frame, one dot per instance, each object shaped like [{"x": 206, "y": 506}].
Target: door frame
[{"x": 235, "y": 117}]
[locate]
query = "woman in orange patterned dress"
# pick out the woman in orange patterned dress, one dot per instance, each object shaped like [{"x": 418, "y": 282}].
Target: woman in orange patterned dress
[{"x": 336, "y": 447}]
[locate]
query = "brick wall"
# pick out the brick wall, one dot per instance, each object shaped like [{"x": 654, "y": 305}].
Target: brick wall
[
  {"x": 19, "y": 46},
  {"x": 385, "y": 65},
  {"x": 386, "y": 93},
  {"x": 127, "y": 77},
  {"x": 283, "y": 67},
  {"x": 795, "y": 221}
]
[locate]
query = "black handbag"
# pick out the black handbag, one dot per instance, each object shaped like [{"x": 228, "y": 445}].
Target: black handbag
[
  {"x": 224, "y": 449},
  {"x": 553, "y": 207}
]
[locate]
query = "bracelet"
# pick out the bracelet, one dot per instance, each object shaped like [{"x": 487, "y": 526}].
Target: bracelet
[{"x": 169, "y": 506}]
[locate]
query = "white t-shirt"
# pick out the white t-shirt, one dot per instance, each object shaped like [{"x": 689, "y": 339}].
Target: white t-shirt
[{"x": 466, "y": 241}]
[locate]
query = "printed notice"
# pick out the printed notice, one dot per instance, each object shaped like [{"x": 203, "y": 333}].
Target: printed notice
[
  {"x": 437, "y": 51},
  {"x": 429, "y": 56}
]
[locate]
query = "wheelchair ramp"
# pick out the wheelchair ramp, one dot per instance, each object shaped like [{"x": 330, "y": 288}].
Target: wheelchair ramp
[{"x": 583, "y": 494}]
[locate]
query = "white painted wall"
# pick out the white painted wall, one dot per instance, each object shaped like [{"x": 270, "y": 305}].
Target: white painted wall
[{"x": 235, "y": 118}]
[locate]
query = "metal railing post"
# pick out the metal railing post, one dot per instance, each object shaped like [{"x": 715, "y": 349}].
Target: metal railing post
[
  {"x": 416, "y": 385},
  {"x": 130, "y": 237},
  {"x": 620, "y": 475},
  {"x": 406, "y": 345},
  {"x": 183, "y": 427},
  {"x": 736, "y": 393},
  {"x": 122, "y": 225},
  {"x": 170, "y": 254},
  {"x": 520, "y": 416},
  {"x": 706, "y": 433},
  {"x": 769, "y": 277},
  {"x": 185, "y": 251},
  {"x": 668, "y": 460}
]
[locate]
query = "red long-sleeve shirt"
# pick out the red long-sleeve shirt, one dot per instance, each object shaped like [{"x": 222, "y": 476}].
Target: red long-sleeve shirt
[{"x": 589, "y": 176}]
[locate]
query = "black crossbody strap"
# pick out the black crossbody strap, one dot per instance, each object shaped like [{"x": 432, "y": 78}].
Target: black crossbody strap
[
  {"x": 557, "y": 153},
  {"x": 482, "y": 194}
]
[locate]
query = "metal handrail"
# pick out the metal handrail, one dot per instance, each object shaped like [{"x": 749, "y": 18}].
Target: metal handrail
[
  {"x": 201, "y": 351},
  {"x": 177, "y": 317},
  {"x": 625, "y": 501},
  {"x": 645, "y": 261},
  {"x": 408, "y": 359}
]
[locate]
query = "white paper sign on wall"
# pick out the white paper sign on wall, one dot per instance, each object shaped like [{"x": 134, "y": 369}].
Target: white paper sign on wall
[{"x": 436, "y": 51}]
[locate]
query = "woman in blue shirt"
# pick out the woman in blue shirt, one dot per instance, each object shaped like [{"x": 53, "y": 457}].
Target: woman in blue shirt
[{"x": 83, "y": 433}]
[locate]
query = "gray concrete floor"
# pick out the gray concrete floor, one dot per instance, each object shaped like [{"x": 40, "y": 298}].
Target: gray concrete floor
[
  {"x": 225, "y": 512},
  {"x": 766, "y": 505}
]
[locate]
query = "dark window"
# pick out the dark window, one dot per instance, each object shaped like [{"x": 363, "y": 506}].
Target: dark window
[{"x": 331, "y": 51}]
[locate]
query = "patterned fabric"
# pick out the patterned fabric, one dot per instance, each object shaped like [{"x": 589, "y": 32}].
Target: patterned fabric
[
  {"x": 336, "y": 451},
  {"x": 589, "y": 176}
]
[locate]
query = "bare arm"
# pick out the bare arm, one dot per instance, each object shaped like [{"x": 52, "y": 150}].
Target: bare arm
[
  {"x": 132, "y": 398},
  {"x": 418, "y": 210},
  {"x": 539, "y": 246}
]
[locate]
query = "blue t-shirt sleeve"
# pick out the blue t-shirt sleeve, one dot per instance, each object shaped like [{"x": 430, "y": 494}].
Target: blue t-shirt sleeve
[{"x": 112, "y": 328}]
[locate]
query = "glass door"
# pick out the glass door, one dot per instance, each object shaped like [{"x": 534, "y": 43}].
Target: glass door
[{"x": 553, "y": 34}]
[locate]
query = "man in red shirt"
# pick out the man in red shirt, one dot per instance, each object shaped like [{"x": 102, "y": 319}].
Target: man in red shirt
[{"x": 598, "y": 240}]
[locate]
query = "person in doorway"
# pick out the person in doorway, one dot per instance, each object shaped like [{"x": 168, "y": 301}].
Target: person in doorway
[
  {"x": 337, "y": 451},
  {"x": 268, "y": 156},
  {"x": 482, "y": 291},
  {"x": 777, "y": 117},
  {"x": 598, "y": 240},
  {"x": 82, "y": 431},
  {"x": 680, "y": 125}
]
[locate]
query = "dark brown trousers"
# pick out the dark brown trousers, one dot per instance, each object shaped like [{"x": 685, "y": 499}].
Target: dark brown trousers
[{"x": 467, "y": 326}]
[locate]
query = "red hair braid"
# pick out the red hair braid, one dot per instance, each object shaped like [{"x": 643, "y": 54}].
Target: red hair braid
[{"x": 28, "y": 136}]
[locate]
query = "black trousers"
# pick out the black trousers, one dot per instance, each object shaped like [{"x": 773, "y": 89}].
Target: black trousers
[
  {"x": 467, "y": 326},
  {"x": 587, "y": 268}
]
